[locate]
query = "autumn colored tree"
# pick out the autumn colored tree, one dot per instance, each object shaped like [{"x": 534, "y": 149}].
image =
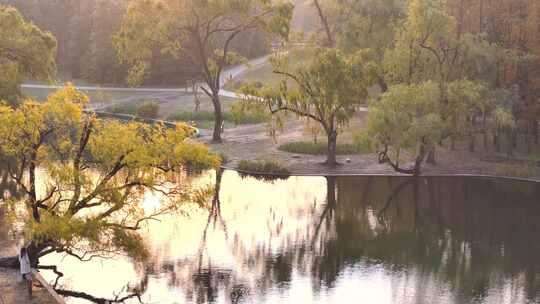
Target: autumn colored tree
[{"x": 83, "y": 177}]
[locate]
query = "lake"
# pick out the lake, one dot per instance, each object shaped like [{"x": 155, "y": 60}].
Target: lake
[{"x": 333, "y": 240}]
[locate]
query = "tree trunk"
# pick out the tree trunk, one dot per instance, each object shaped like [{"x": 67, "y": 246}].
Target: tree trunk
[
  {"x": 325, "y": 24},
  {"x": 382, "y": 84},
  {"x": 484, "y": 127},
  {"x": 510, "y": 144},
  {"x": 528, "y": 138},
  {"x": 431, "y": 156},
  {"x": 453, "y": 143},
  {"x": 218, "y": 116},
  {"x": 472, "y": 143},
  {"x": 536, "y": 133},
  {"x": 419, "y": 159},
  {"x": 496, "y": 142},
  {"x": 332, "y": 146}
]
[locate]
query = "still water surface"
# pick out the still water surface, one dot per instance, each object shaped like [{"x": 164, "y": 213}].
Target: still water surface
[{"x": 346, "y": 240}]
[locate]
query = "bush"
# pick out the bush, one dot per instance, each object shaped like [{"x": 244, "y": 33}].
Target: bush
[
  {"x": 148, "y": 110},
  {"x": 263, "y": 167},
  {"x": 130, "y": 109},
  {"x": 321, "y": 148}
]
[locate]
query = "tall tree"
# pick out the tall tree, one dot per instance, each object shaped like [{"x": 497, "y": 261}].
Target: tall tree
[
  {"x": 204, "y": 30},
  {"x": 83, "y": 177},
  {"x": 328, "y": 90},
  {"x": 100, "y": 64},
  {"x": 405, "y": 121},
  {"x": 26, "y": 52}
]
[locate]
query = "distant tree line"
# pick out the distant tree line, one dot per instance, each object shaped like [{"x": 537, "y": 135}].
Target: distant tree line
[{"x": 84, "y": 31}]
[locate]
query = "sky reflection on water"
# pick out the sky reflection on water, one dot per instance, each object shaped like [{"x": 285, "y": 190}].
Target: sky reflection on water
[{"x": 365, "y": 240}]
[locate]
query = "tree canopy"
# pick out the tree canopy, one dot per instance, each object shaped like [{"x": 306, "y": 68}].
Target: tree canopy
[
  {"x": 83, "y": 178},
  {"x": 328, "y": 90},
  {"x": 26, "y": 52},
  {"x": 204, "y": 30}
]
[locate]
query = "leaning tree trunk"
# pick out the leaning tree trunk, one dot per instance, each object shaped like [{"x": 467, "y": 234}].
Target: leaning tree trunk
[
  {"x": 218, "y": 116},
  {"x": 331, "y": 150}
]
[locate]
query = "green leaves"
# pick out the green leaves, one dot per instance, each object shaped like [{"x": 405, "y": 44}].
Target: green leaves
[
  {"x": 26, "y": 52},
  {"x": 404, "y": 118},
  {"x": 84, "y": 177},
  {"x": 201, "y": 29}
]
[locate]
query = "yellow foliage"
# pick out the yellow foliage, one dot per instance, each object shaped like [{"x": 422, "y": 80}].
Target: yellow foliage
[{"x": 84, "y": 177}]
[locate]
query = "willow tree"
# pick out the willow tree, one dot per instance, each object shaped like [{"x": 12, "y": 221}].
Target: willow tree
[
  {"x": 203, "y": 30},
  {"x": 25, "y": 52},
  {"x": 430, "y": 46},
  {"x": 405, "y": 124},
  {"x": 328, "y": 90},
  {"x": 83, "y": 178}
]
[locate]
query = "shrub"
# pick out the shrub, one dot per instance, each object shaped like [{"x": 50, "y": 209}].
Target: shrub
[
  {"x": 130, "y": 109},
  {"x": 321, "y": 148},
  {"x": 148, "y": 110},
  {"x": 263, "y": 167}
]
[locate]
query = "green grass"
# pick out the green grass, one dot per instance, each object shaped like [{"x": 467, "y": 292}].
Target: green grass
[
  {"x": 194, "y": 116},
  {"x": 320, "y": 148},
  {"x": 263, "y": 167},
  {"x": 129, "y": 108},
  {"x": 203, "y": 117}
]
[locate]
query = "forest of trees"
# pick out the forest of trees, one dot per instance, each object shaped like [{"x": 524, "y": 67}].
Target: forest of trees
[
  {"x": 84, "y": 30},
  {"x": 474, "y": 62},
  {"x": 445, "y": 70}
]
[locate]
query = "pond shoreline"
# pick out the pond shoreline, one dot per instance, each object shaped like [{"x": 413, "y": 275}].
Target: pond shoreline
[
  {"x": 251, "y": 142},
  {"x": 375, "y": 174},
  {"x": 379, "y": 174}
]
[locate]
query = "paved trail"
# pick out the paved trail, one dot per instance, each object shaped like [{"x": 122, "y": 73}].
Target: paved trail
[{"x": 228, "y": 74}]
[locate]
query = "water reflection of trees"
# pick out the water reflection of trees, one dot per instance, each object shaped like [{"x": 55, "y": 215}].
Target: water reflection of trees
[{"x": 466, "y": 235}]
